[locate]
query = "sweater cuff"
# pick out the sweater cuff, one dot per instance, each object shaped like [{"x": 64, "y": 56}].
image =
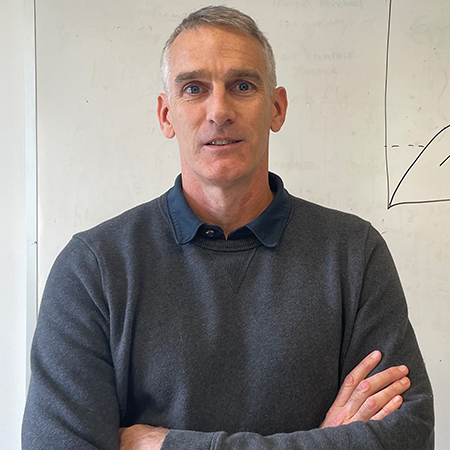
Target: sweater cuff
[{"x": 184, "y": 439}]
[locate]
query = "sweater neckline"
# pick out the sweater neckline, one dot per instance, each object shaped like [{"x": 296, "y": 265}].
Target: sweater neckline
[{"x": 226, "y": 245}]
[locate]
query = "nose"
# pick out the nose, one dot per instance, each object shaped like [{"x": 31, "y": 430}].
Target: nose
[{"x": 220, "y": 108}]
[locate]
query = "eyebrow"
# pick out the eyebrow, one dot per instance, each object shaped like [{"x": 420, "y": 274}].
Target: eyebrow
[
  {"x": 232, "y": 73},
  {"x": 245, "y": 73},
  {"x": 193, "y": 75}
]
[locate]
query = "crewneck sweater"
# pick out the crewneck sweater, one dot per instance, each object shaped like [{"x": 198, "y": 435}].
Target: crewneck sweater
[{"x": 229, "y": 344}]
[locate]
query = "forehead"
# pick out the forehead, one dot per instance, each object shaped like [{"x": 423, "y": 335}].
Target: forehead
[{"x": 215, "y": 49}]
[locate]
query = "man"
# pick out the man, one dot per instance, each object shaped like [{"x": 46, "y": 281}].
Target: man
[{"x": 226, "y": 314}]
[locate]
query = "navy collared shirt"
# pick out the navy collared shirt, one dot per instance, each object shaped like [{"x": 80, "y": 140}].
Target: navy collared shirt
[{"x": 267, "y": 227}]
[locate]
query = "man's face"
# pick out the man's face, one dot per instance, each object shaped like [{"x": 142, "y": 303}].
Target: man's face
[{"x": 220, "y": 107}]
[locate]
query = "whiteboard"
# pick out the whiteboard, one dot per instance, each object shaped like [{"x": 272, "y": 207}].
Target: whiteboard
[{"x": 369, "y": 104}]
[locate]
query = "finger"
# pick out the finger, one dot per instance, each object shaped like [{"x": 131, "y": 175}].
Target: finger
[
  {"x": 390, "y": 407},
  {"x": 376, "y": 383},
  {"x": 374, "y": 404},
  {"x": 387, "y": 377},
  {"x": 353, "y": 379}
]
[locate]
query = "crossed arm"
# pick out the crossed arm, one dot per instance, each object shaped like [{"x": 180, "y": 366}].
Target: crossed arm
[
  {"x": 360, "y": 398},
  {"x": 79, "y": 404}
]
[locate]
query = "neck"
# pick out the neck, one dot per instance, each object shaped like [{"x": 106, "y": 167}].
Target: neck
[{"x": 230, "y": 206}]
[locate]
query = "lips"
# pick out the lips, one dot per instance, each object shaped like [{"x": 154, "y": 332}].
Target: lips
[{"x": 222, "y": 142}]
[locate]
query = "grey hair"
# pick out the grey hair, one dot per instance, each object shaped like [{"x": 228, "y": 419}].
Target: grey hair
[{"x": 224, "y": 16}]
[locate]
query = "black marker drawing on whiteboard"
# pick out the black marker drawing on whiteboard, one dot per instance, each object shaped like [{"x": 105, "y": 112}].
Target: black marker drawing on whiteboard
[{"x": 411, "y": 184}]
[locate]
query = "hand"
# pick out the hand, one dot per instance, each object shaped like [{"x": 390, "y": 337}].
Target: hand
[
  {"x": 142, "y": 437},
  {"x": 373, "y": 398}
]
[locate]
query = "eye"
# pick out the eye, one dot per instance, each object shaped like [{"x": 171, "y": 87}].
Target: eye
[
  {"x": 193, "y": 89},
  {"x": 244, "y": 86}
]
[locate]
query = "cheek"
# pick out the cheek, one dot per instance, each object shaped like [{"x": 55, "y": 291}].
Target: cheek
[
  {"x": 182, "y": 129},
  {"x": 262, "y": 116},
  {"x": 262, "y": 124},
  {"x": 188, "y": 123}
]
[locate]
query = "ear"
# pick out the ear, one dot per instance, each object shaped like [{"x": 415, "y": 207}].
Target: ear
[
  {"x": 165, "y": 120},
  {"x": 279, "y": 108}
]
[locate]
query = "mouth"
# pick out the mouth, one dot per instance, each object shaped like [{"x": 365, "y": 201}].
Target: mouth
[{"x": 222, "y": 142}]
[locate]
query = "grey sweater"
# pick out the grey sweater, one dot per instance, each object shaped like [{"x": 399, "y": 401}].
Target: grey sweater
[{"x": 229, "y": 344}]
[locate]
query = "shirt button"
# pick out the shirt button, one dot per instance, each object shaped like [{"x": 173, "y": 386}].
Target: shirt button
[{"x": 209, "y": 233}]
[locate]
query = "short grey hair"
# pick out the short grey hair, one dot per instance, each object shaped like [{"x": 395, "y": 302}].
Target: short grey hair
[{"x": 222, "y": 16}]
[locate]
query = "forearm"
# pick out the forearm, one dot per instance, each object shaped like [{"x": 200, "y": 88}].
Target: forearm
[
  {"x": 380, "y": 322},
  {"x": 365, "y": 414},
  {"x": 359, "y": 435}
]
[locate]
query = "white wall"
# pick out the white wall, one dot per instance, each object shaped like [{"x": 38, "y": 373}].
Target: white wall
[
  {"x": 12, "y": 225},
  {"x": 101, "y": 150}
]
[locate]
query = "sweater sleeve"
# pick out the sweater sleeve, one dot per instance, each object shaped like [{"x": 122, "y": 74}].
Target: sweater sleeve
[
  {"x": 72, "y": 401},
  {"x": 380, "y": 321}
]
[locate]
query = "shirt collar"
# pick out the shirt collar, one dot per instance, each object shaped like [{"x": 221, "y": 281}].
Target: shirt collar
[{"x": 267, "y": 227}]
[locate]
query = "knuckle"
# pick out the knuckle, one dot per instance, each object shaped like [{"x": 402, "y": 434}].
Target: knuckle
[
  {"x": 371, "y": 404},
  {"x": 349, "y": 380},
  {"x": 364, "y": 363},
  {"x": 334, "y": 419},
  {"x": 363, "y": 386}
]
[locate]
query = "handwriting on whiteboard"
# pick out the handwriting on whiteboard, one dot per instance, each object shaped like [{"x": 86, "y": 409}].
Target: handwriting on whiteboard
[{"x": 417, "y": 114}]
